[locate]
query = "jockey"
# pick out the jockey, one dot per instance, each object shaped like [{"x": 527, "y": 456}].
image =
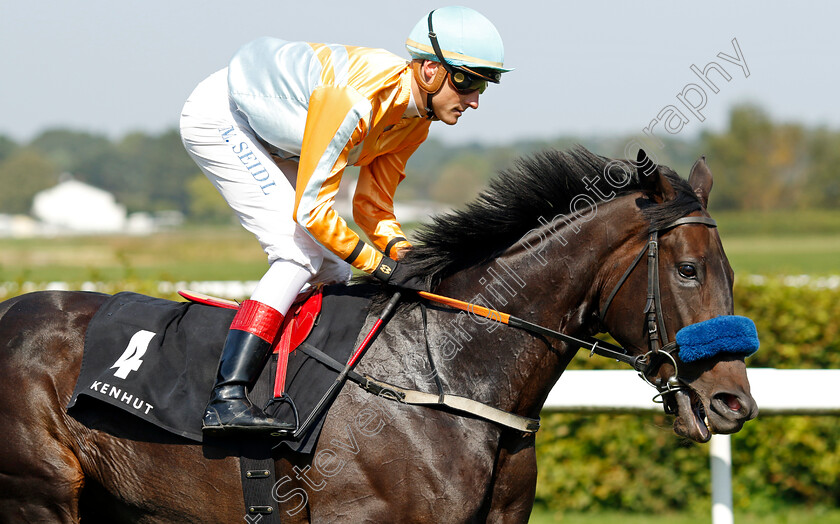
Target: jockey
[{"x": 274, "y": 132}]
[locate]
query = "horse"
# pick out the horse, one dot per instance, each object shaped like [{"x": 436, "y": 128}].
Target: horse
[{"x": 552, "y": 239}]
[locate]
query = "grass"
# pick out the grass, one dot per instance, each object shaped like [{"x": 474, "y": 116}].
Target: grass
[
  {"x": 786, "y": 516},
  {"x": 805, "y": 222},
  {"x": 790, "y": 255},
  {"x": 790, "y": 242},
  {"x": 203, "y": 253}
]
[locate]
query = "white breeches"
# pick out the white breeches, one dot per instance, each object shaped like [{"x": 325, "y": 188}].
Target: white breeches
[{"x": 261, "y": 191}]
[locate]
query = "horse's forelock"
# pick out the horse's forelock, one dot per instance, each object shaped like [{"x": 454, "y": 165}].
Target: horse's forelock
[{"x": 685, "y": 202}]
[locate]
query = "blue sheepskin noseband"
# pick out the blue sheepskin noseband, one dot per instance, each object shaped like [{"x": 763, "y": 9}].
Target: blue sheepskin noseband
[{"x": 725, "y": 334}]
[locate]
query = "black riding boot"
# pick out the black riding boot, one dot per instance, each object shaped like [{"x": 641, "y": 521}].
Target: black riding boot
[{"x": 229, "y": 410}]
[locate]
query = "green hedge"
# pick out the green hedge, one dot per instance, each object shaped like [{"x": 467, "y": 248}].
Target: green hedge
[
  {"x": 637, "y": 463},
  {"x": 798, "y": 326}
]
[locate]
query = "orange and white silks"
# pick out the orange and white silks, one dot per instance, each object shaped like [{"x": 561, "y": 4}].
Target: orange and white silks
[{"x": 329, "y": 106}]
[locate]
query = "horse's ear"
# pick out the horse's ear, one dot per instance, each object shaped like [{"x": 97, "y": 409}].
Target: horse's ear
[
  {"x": 652, "y": 180},
  {"x": 700, "y": 180}
]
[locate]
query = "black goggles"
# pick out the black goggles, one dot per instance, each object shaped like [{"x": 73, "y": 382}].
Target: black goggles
[{"x": 464, "y": 80}]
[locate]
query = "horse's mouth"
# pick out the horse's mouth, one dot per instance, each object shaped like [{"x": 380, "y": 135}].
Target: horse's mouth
[{"x": 691, "y": 420}]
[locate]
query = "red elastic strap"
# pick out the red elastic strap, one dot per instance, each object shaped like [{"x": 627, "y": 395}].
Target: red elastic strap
[
  {"x": 258, "y": 319},
  {"x": 282, "y": 350}
]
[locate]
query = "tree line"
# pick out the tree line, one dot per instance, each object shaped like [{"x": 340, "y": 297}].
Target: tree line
[{"x": 759, "y": 164}]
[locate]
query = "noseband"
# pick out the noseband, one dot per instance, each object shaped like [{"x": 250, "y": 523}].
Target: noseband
[{"x": 660, "y": 350}]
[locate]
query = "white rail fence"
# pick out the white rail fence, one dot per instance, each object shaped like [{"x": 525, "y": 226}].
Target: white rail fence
[{"x": 777, "y": 392}]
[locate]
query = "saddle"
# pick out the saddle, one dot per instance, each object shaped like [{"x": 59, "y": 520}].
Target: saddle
[{"x": 156, "y": 359}]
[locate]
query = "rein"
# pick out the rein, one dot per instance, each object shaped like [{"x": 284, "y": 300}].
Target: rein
[
  {"x": 660, "y": 350},
  {"x": 595, "y": 346}
]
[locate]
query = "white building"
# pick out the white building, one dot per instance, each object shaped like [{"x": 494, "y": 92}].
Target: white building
[{"x": 76, "y": 207}]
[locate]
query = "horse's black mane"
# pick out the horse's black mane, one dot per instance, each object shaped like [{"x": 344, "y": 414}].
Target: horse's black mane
[{"x": 543, "y": 185}]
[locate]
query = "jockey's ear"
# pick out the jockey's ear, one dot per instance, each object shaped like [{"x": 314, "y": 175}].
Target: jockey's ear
[
  {"x": 700, "y": 180},
  {"x": 652, "y": 180}
]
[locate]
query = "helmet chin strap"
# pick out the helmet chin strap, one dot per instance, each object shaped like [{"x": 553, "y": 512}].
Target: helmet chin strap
[
  {"x": 431, "y": 87},
  {"x": 430, "y": 113}
]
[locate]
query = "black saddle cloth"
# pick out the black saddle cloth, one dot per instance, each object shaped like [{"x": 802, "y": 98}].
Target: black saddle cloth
[{"x": 156, "y": 359}]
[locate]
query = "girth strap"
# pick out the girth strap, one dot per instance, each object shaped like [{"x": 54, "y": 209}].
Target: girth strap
[
  {"x": 419, "y": 398},
  {"x": 256, "y": 465},
  {"x": 462, "y": 404}
]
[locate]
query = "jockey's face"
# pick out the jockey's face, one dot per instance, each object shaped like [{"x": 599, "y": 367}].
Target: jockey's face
[{"x": 449, "y": 104}]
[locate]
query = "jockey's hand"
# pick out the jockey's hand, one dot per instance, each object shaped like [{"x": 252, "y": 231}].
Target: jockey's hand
[{"x": 395, "y": 274}]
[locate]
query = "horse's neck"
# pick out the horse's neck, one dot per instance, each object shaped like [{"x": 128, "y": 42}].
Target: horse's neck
[{"x": 551, "y": 277}]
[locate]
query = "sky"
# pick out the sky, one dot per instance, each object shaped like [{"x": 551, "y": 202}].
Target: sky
[{"x": 584, "y": 68}]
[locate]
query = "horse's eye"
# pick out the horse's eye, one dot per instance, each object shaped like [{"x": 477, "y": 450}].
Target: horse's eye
[{"x": 688, "y": 271}]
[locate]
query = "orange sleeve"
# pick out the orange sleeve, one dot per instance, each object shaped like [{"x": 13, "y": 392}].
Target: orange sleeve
[
  {"x": 335, "y": 122},
  {"x": 373, "y": 202}
]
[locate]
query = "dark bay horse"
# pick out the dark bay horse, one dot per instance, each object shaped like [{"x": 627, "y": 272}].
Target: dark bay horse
[{"x": 549, "y": 241}]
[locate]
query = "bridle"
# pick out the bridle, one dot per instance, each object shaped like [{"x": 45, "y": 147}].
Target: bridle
[{"x": 660, "y": 351}]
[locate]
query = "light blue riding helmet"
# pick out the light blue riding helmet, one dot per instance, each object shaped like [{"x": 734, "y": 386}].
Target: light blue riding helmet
[{"x": 465, "y": 39}]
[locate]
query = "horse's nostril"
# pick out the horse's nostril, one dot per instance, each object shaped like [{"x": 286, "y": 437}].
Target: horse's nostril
[{"x": 731, "y": 401}]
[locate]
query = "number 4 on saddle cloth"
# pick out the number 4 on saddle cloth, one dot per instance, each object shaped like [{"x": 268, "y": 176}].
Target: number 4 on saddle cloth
[{"x": 156, "y": 359}]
